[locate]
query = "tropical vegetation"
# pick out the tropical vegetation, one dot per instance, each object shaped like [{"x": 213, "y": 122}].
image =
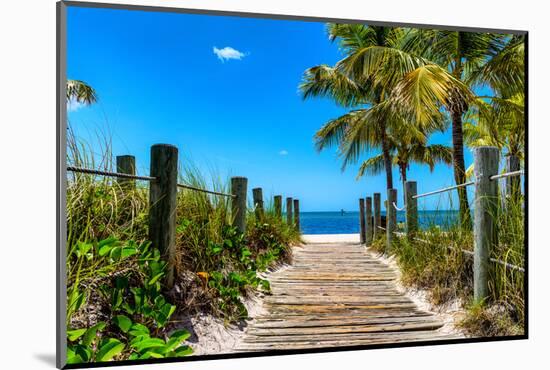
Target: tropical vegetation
[
  {"x": 117, "y": 305},
  {"x": 401, "y": 85}
]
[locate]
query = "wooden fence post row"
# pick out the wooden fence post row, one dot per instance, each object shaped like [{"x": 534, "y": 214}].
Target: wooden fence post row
[
  {"x": 162, "y": 204},
  {"x": 278, "y": 204},
  {"x": 126, "y": 164},
  {"x": 377, "y": 217},
  {"x": 369, "y": 221},
  {"x": 411, "y": 208},
  {"x": 257, "y": 196},
  {"x": 391, "y": 219},
  {"x": 297, "y": 214},
  {"x": 362, "y": 232},
  {"x": 238, "y": 203},
  {"x": 289, "y": 211},
  {"x": 485, "y": 206},
  {"x": 486, "y": 164}
]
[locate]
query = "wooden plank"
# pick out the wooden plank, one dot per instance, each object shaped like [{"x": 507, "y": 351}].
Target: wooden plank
[{"x": 336, "y": 295}]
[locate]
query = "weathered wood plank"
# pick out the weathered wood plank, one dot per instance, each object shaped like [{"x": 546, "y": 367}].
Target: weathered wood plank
[{"x": 337, "y": 295}]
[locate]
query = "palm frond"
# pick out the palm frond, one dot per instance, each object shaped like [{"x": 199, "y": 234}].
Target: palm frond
[
  {"x": 333, "y": 132},
  {"x": 325, "y": 81},
  {"x": 81, "y": 92},
  {"x": 422, "y": 93},
  {"x": 372, "y": 166}
]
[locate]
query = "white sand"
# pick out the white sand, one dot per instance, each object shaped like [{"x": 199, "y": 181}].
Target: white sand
[
  {"x": 330, "y": 238},
  {"x": 450, "y": 314},
  {"x": 213, "y": 337}
]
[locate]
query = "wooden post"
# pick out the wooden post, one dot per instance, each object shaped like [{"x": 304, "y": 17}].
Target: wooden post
[
  {"x": 126, "y": 164},
  {"x": 162, "y": 204},
  {"x": 411, "y": 211},
  {"x": 278, "y": 203},
  {"x": 297, "y": 214},
  {"x": 485, "y": 205},
  {"x": 289, "y": 211},
  {"x": 362, "y": 232},
  {"x": 513, "y": 182},
  {"x": 238, "y": 203},
  {"x": 391, "y": 219},
  {"x": 258, "y": 199},
  {"x": 369, "y": 222},
  {"x": 377, "y": 217}
]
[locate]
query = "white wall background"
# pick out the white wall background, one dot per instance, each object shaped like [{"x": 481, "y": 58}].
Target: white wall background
[{"x": 27, "y": 206}]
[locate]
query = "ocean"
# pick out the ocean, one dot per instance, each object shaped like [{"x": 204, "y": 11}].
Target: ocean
[{"x": 348, "y": 223}]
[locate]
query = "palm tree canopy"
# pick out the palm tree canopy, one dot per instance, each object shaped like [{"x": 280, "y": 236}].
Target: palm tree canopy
[{"x": 81, "y": 92}]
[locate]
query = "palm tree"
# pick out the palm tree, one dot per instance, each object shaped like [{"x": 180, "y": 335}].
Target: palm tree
[
  {"x": 404, "y": 152},
  {"x": 398, "y": 88},
  {"x": 474, "y": 58},
  {"x": 81, "y": 92}
]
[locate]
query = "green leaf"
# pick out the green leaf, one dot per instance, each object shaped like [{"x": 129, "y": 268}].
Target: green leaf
[
  {"x": 73, "y": 358},
  {"x": 123, "y": 322},
  {"x": 175, "y": 340},
  {"x": 183, "y": 351},
  {"x": 84, "y": 352},
  {"x": 108, "y": 241},
  {"x": 155, "y": 278},
  {"x": 148, "y": 344},
  {"x": 104, "y": 250},
  {"x": 74, "y": 334},
  {"x": 138, "y": 329},
  {"x": 128, "y": 251},
  {"x": 109, "y": 349},
  {"x": 91, "y": 333}
]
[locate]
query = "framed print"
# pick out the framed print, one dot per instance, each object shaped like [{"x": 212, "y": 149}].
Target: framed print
[{"x": 234, "y": 184}]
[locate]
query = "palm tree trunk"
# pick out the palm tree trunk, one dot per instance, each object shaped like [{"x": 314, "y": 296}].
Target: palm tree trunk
[
  {"x": 460, "y": 169},
  {"x": 387, "y": 160}
]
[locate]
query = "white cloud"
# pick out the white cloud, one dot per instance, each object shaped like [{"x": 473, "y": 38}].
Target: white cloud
[
  {"x": 73, "y": 105},
  {"x": 283, "y": 152},
  {"x": 228, "y": 53}
]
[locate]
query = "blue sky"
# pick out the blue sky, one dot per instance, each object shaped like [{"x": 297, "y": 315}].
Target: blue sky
[{"x": 224, "y": 91}]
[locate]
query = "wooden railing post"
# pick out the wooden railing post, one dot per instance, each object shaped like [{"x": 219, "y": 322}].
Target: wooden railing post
[
  {"x": 278, "y": 204},
  {"x": 362, "y": 233},
  {"x": 297, "y": 214},
  {"x": 411, "y": 205},
  {"x": 162, "y": 204},
  {"x": 513, "y": 183},
  {"x": 258, "y": 198},
  {"x": 289, "y": 211},
  {"x": 126, "y": 164},
  {"x": 238, "y": 203},
  {"x": 485, "y": 206},
  {"x": 377, "y": 217},
  {"x": 391, "y": 219},
  {"x": 369, "y": 221}
]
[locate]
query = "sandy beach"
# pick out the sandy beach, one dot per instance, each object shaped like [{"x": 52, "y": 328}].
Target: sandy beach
[{"x": 330, "y": 238}]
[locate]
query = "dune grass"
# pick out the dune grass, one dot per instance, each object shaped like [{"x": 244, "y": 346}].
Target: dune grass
[
  {"x": 114, "y": 274},
  {"x": 439, "y": 259}
]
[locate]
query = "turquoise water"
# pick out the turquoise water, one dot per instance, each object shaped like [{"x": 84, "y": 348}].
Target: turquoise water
[{"x": 348, "y": 223}]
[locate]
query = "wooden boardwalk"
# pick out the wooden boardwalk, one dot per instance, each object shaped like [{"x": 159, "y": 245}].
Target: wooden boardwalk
[{"x": 337, "y": 295}]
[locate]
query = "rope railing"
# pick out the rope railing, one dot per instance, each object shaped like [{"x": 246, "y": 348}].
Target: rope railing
[
  {"x": 487, "y": 171},
  {"x": 507, "y": 174},
  {"x": 185, "y": 186},
  {"x": 397, "y": 208},
  {"x": 90, "y": 171},
  {"x": 471, "y": 254},
  {"x": 444, "y": 189},
  {"x": 494, "y": 177}
]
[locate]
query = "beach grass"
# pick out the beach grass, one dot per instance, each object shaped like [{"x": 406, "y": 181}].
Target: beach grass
[
  {"x": 439, "y": 259},
  {"x": 110, "y": 263}
]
